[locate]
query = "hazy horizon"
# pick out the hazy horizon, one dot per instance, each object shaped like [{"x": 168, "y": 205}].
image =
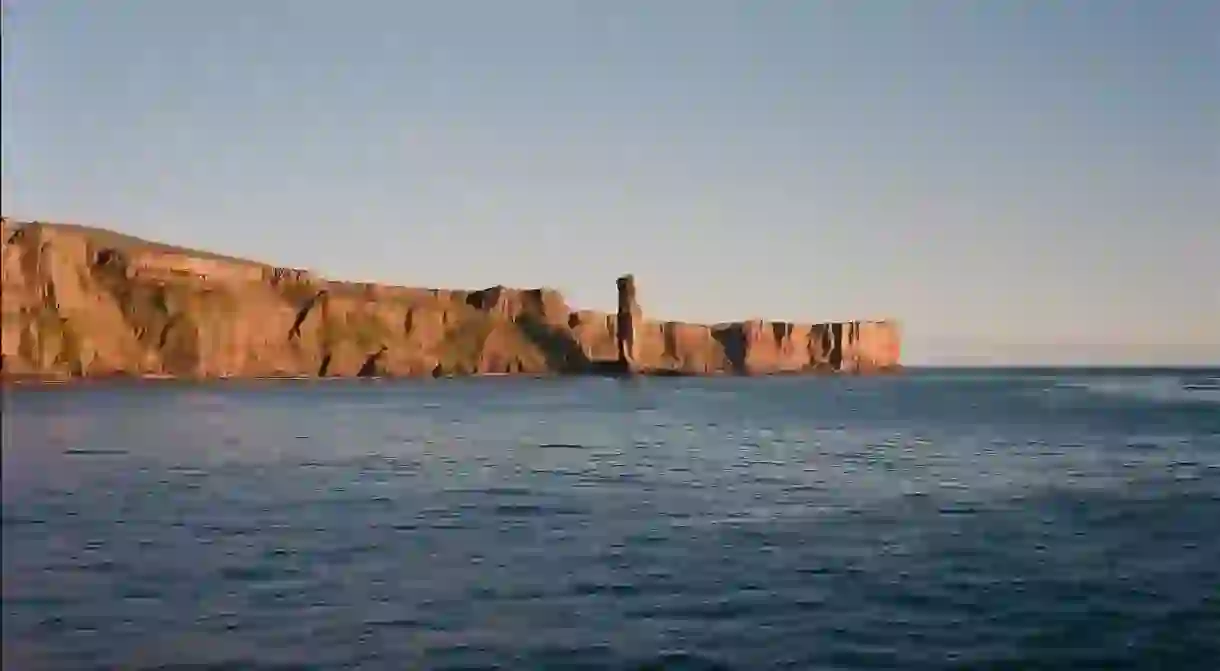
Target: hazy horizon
[{"x": 1015, "y": 183}]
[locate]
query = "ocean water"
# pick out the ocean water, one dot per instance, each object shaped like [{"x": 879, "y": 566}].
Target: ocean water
[{"x": 1037, "y": 519}]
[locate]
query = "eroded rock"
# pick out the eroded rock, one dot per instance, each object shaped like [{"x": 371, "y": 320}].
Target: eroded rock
[{"x": 78, "y": 301}]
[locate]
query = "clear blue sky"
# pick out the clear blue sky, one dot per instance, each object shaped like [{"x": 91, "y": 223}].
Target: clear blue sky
[{"x": 996, "y": 175}]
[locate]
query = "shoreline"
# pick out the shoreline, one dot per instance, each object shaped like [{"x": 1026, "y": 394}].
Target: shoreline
[{"x": 43, "y": 380}]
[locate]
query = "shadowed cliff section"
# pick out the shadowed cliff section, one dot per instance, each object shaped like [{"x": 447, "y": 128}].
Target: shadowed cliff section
[{"x": 80, "y": 301}]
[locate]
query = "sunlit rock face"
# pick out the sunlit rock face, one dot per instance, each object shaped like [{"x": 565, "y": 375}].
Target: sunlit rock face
[{"x": 80, "y": 301}]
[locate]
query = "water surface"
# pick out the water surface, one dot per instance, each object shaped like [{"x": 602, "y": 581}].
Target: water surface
[{"x": 1053, "y": 519}]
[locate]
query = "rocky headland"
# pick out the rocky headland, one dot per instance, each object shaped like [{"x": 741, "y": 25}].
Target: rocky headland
[{"x": 87, "y": 302}]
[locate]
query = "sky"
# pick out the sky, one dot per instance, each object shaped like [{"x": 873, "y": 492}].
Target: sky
[{"x": 1014, "y": 181}]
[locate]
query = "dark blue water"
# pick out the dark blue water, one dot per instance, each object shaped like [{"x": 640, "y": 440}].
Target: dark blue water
[{"x": 989, "y": 519}]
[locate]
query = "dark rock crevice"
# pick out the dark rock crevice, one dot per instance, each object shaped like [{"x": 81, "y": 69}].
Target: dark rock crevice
[
  {"x": 370, "y": 366},
  {"x": 563, "y": 354},
  {"x": 835, "y": 355},
  {"x": 303, "y": 314},
  {"x": 732, "y": 339}
]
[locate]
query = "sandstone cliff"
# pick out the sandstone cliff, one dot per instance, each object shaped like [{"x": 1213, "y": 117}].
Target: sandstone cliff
[{"x": 80, "y": 301}]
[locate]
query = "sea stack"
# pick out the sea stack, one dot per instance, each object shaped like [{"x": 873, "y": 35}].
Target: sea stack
[{"x": 629, "y": 319}]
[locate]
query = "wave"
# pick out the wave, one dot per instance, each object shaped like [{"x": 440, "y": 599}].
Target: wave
[{"x": 1181, "y": 388}]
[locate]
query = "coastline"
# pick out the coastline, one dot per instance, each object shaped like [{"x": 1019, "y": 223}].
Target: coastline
[
  {"x": 44, "y": 380},
  {"x": 85, "y": 302}
]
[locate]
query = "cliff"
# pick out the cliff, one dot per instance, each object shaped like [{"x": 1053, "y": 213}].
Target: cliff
[{"x": 79, "y": 301}]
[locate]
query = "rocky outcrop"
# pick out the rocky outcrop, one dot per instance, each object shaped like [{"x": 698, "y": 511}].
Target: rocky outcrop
[
  {"x": 627, "y": 320},
  {"x": 78, "y": 301}
]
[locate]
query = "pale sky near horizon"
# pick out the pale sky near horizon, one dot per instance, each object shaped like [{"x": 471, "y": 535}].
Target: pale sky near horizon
[{"x": 998, "y": 176}]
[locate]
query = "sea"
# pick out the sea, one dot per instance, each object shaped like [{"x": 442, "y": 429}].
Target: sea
[{"x": 934, "y": 519}]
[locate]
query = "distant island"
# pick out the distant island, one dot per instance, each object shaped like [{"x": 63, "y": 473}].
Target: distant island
[{"x": 79, "y": 301}]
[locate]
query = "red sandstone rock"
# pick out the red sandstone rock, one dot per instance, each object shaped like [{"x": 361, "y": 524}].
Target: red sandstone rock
[{"x": 77, "y": 301}]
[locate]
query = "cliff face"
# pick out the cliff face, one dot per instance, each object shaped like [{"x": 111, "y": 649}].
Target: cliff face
[{"x": 83, "y": 302}]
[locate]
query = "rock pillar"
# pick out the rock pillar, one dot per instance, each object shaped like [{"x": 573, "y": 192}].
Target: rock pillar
[{"x": 629, "y": 319}]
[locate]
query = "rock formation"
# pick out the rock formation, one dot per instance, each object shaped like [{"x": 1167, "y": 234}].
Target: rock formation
[
  {"x": 80, "y": 301},
  {"x": 627, "y": 320}
]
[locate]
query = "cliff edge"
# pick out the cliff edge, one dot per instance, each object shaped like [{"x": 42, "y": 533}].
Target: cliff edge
[{"x": 79, "y": 301}]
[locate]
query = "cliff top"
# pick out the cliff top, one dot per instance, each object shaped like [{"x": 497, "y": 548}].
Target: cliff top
[
  {"x": 105, "y": 238},
  {"x": 102, "y": 238}
]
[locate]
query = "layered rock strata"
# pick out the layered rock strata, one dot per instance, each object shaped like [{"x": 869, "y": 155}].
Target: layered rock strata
[{"x": 80, "y": 301}]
